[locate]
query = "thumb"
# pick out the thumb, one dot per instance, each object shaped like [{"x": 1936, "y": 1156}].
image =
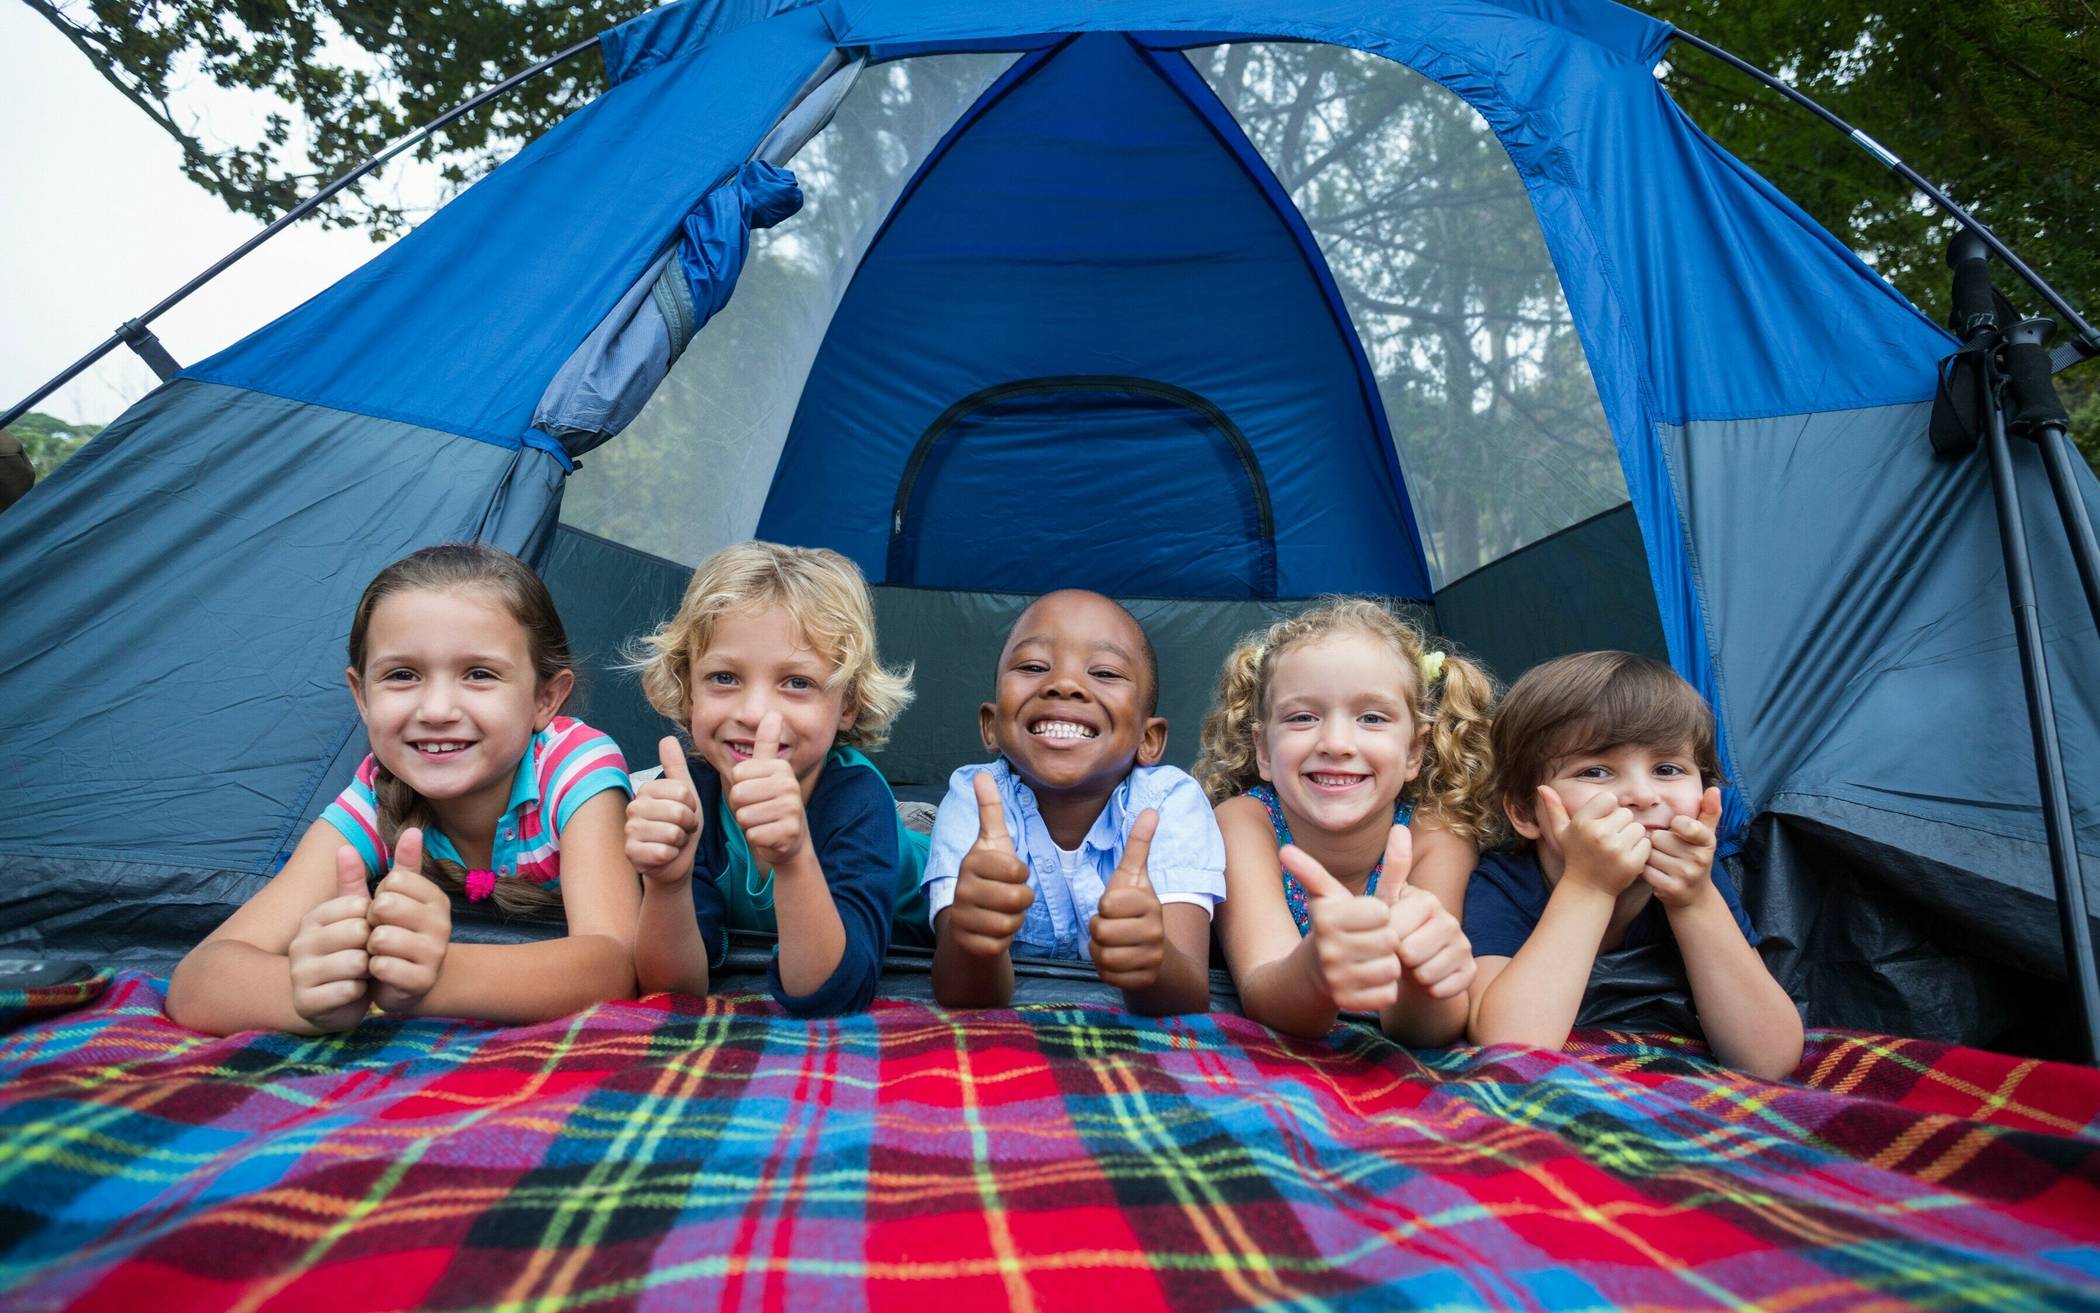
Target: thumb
[
  {"x": 672, "y": 754},
  {"x": 1710, "y": 808},
  {"x": 408, "y": 851},
  {"x": 1310, "y": 873},
  {"x": 767, "y": 746},
  {"x": 1399, "y": 864},
  {"x": 1131, "y": 871},
  {"x": 1552, "y": 810},
  {"x": 991, "y": 813},
  {"x": 349, "y": 872}
]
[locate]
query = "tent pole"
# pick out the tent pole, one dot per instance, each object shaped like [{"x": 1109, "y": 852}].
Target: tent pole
[
  {"x": 2085, "y": 341},
  {"x": 134, "y": 331},
  {"x": 1976, "y": 308}
]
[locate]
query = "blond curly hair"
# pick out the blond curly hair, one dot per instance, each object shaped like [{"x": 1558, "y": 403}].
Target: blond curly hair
[
  {"x": 822, "y": 592},
  {"x": 1456, "y": 784}
]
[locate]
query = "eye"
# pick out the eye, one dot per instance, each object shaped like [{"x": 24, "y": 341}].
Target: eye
[
  {"x": 1301, "y": 718},
  {"x": 719, "y": 679},
  {"x": 1031, "y": 667},
  {"x": 481, "y": 673},
  {"x": 1107, "y": 672},
  {"x": 399, "y": 675},
  {"x": 1375, "y": 718},
  {"x": 1671, "y": 769},
  {"x": 800, "y": 683},
  {"x": 1593, "y": 773}
]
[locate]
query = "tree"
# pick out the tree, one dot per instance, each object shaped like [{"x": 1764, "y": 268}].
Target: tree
[{"x": 48, "y": 440}]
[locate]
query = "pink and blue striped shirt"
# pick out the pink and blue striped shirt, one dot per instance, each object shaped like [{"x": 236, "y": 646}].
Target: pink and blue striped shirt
[{"x": 566, "y": 765}]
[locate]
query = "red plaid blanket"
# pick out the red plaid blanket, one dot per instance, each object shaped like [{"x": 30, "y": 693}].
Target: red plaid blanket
[{"x": 678, "y": 1153}]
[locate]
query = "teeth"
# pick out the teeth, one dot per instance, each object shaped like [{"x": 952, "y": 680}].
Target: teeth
[
  {"x": 1060, "y": 729},
  {"x": 1336, "y": 781},
  {"x": 440, "y": 749}
]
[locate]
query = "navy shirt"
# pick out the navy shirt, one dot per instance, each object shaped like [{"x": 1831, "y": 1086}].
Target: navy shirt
[
  {"x": 852, "y": 825},
  {"x": 1507, "y": 896}
]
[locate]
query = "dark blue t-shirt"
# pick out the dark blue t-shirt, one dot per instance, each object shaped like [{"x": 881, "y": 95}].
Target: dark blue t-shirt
[
  {"x": 1507, "y": 895},
  {"x": 852, "y": 822}
]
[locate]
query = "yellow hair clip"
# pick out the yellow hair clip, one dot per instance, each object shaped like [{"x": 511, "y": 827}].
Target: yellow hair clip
[{"x": 1432, "y": 666}]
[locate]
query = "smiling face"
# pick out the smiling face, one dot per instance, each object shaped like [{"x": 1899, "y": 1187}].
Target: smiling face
[
  {"x": 1338, "y": 740},
  {"x": 450, "y": 699},
  {"x": 757, "y": 661},
  {"x": 1074, "y": 698},
  {"x": 1656, "y": 784}
]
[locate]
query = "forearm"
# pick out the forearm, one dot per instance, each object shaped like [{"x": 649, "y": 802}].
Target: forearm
[
  {"x": 670, "y": 955},
  {"x": 812, "y": 938},
  {"x": 519, "y": 983},
  {"x": 1535, "y": 998},
  {"x": 967, "y": 980},
  {"x": 225, "y": 985},
  {"x": 1183, "y": 987},
  {"x": 1419, "y": 1021},
  {"x": 1287, "y": 994},
  {"x": 1749, "y": 1021}
]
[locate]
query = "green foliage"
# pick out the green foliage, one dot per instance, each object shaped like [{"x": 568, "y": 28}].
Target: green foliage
[
  {"x": 48, "y": 441},
  {"x": 1997, "y": 103}
]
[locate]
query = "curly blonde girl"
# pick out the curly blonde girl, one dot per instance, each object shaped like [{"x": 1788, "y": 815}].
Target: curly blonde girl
[
  {"x": 827, "y": 598},
  {"x": 1454, "y": 697}
]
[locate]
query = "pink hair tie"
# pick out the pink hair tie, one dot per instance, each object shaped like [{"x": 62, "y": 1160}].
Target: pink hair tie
[{"x": 480, "y": 884}]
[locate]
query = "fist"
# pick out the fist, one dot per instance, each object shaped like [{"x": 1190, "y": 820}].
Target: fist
[
  {"x": 411, "y": 929},
  {"x": 1357, "y": 956},
  {"x": 663, "y": 820},
  {"x": 1602, "y": 846},
  {"x": 991, "y": 890},
  {"x": 1128, "y": 933}
]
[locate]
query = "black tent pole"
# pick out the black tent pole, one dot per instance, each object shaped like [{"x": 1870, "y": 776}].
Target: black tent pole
[
  {"x": 2085, "y": 341},
  {"x": 141, "y": 339},
  {"x": 1976, "y": 311}
]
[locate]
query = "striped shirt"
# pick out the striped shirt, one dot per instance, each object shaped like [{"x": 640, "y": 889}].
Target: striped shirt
[{"x": 566, "y": 765}]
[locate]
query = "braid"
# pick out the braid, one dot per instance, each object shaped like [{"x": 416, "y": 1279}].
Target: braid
[
  {"x": 1458, "y": 769},
  {"x": 401, "y": 808}
]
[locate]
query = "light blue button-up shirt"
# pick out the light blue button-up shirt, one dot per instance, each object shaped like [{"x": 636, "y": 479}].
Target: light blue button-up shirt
[{"x": 1187, "y": 862}]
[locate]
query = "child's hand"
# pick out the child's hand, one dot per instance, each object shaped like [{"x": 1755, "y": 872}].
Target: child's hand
[
  {"x": 767, "y": 799},
  {"x": 991, "y": 890},
  {"x": 1352, "y": 935},
  {"x": 411, "y": 929},
  {"x": 1432, "y": 946},
  {"x": 1602, "y": 846},
  {"x": 331, "y": 985},
  {"x": 664, "y": 821},
  {"x": 1681, "y": 866},
  {"x": 1128, "y": 933}
]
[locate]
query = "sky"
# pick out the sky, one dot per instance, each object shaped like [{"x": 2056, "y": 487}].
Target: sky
[{"x": 100, "y": 224}]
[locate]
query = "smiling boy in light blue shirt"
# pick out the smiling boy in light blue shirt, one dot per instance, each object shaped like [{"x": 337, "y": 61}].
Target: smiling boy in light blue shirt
[{"x": 1075, "y": 841}]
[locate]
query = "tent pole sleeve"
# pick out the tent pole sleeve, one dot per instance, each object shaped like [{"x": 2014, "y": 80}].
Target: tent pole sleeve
[
  {"x": 133, "y": 328},
  {"x": 2085, "y": 340}
]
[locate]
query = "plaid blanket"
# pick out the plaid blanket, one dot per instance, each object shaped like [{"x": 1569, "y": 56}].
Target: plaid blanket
[{"x": 677, "y": 1153}]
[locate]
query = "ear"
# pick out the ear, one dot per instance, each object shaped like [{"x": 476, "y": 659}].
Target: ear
[
  {"x": 553, "y": 692},
  {"x": 1418, "y": 750},
  {"x": 1152, "y": 743},
  {"x": 1521, "y": 817},
  {"x": 848, "y": 713},
  {"x": 357, "y": 689},
  {"x": 987, "y": 717},
  {"x": 1261, "y": 754}
]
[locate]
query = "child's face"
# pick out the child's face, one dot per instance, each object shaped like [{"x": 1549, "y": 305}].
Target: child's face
[
  {"x": 760, "y": 661},
  {"x": 1339, "y": 740},
  {"x": 1072, "y": 691},
  {"x": 1656, "y": 784},
  {"x": 449, "y": 697}
]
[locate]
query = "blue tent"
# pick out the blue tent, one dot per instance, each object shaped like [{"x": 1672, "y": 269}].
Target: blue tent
[{"x": 1212, "y": 305}]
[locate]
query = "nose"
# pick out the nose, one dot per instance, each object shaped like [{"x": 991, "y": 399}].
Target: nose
[
  {"x": 1064, "y": 683},
  {"x": 754, "y": 706},
  {"x": 440, "y": 701},
  {"x": 1637, "y": 791},
  {"x": 1337, "y": 737}
]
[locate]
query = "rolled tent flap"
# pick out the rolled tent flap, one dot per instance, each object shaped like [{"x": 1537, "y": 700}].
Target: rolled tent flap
[{"x": 604, "y": 385}]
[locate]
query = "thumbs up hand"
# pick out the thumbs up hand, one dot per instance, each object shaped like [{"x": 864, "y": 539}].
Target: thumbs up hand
[
  {"x": 411, "y": 929},
  {"x": 1353, "y": 943},
  {"x": 991, "y": 889},
  {"x": 766, "y": 798},
  {"x": 331, "y": 984},
  {"x": 1433, "y": 947},
  {"x": 663, "y": 820},
  {"x": 1681, "y": 863},
  {"x": 1128, "y": 933},
  {"x": 1602, "y": 845}
]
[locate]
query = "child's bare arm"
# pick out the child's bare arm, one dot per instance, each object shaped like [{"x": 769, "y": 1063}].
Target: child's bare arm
[
  {"x": 241, "y": 977},
  {"x": 1275, "y": 969},
  {"x": 662, "y": 838},
  {"x": 973, "y": 937},
  {"x": 1534, "y": 999},
  {"x": 1748, "y": 1019}
]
